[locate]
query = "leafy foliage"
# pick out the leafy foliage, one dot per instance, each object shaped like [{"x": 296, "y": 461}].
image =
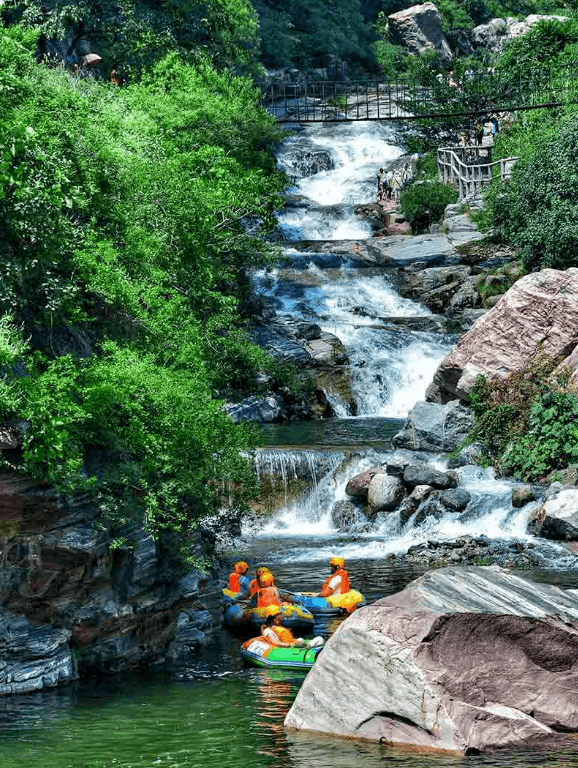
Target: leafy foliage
[
  {"x": 307, "y": 33},
  {"x": 134, "y": 34},
  {"x": 527, "y": 421},
  {"x": 126, "y": 217},
  {"x": 424, "y": 203}
]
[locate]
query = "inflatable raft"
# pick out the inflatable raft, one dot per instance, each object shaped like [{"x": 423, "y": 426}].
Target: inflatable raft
[
  {"x": 260, "y": 653},
  {"x": 332, "y": 605},
  {"x": 240, "y": 616}
]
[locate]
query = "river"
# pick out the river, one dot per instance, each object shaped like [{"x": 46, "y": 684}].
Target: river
[{"x": 218, "y": 713}]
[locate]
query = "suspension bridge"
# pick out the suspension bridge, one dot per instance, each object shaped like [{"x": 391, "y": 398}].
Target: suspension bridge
[{"x": 403, "y": 99}]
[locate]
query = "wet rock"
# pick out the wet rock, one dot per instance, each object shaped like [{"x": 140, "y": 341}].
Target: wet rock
[
  {"x": 424, "y": 474},
  {"x": 557, "y": 518},
  {"x": 444, "y": 664},
  {"x": 266, "y": 409},
  {"x": 456, "y": 499},
  {"x": 327, "y": 350},
  {"x": 304, "y": 163},
  {"x": 358, "y": 486},
  {"x": 190, "y": 635},
  {"x": 468, "y": 455},
  {"x": 522, "y": 495},
  {"x": 385, "y": 492},
  {"x": 346, "y": 515},
  {"x": 411, "y": 503},
  {"x": 33, "y": 657},
  {"x": 538, "y": 312},
  {"x": 419, "y": 28},
  {"x": 431, "y": 427}
]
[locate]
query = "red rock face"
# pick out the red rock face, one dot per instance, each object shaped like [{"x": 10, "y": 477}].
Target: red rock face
[
  {"x": 467, "y": 659},
  {"x": 540, "y": 311}
]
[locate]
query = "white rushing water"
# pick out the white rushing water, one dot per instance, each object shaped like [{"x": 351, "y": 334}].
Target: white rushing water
[
  {"x": 357, "y": 151},
  {"x": 390, "y": 364}
]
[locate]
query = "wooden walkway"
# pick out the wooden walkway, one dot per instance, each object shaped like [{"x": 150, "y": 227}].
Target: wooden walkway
[{"x": 470, "y": 169}]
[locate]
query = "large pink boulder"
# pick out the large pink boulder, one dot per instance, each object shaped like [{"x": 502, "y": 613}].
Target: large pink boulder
[
  {"x": 540, "y": 311},
  {"x": 465, "y": 659}
]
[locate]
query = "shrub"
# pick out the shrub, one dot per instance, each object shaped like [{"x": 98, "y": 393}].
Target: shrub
[
  {"x": 527, "y": 421},
  {"x": 424, "y": 203}
]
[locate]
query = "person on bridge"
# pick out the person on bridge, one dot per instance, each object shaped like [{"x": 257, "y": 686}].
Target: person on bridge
[
  {"x": 338, "y": 582},
  {"x": 238, "y": 581}
]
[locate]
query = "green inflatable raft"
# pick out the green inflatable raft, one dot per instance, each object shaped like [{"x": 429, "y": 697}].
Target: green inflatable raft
[{"x": 258, "y": 653}]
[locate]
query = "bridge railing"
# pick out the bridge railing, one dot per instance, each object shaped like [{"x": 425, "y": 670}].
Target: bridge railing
[
  {"x": 470, "y": 169},
  {"x": 432, "y": 96}
]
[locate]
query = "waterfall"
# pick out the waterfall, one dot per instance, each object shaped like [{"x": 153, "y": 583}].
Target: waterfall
[{"x": 390, "y": 362}]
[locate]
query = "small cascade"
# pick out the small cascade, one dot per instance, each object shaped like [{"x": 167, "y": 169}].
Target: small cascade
[
  {"x": 296, "y": 479},
  {"x": 355, "y": 152}
]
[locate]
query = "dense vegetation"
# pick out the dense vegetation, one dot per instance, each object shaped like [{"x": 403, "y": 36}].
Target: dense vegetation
[
  {"x": 124, "y": 216},
  {"x": 527, "y": 423},
  {"x": 537, "y": 210},
  {"x": 132, "y": 35}
]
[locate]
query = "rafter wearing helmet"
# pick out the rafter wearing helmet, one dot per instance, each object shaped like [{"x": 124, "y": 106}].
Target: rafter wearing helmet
[
  {"x": 338, "y": 582},
  {"x": 238, "y": 581}
]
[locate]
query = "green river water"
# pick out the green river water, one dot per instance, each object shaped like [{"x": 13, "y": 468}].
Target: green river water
[{"x": 219, "y": 714}]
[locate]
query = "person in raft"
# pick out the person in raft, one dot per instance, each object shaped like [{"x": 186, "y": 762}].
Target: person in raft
[
  {"x": 276, "y": 634},
  {"x": 255, "y": 584},
  {"x": 338, "y": 582},
  {"x": 238, "y": 580}
]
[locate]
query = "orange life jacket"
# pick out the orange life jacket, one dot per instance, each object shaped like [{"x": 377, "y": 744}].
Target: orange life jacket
[
  {"x": 343, "y": 586},
  {"x": 268, "y": 596},
  {"x": 284, "y": 635},
  {"x": 234, "y": 582}
]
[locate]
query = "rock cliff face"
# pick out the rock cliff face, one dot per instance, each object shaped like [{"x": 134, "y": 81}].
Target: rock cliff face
[
  {"x": 70, "y": 604},
  {"x": 466, "y": 659},
  {"x": 539, "y": 311}
]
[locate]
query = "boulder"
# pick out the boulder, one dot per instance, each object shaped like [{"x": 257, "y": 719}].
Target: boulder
[
  {"x": 256, "y": 409},
  {"x": 410, "y": 504},
  {"x": 419, "y": 28},
  {"x": 518, "y": 28},
  {"x": 435, "y": 427},
  {"x": 557, "y": 518},
  {"x": 423, "y": 474},
  {"x": 303, "y": 163},
  {"x": 358, "y": 486},
  {"x": 346, "y": 515},
  {"x": 385, "y": 492},
  {"x": 490, "y": 35},
  {"x": 440, "y": 503},
  {"x": 538, "y": 312},
  {"x": 465, "y": 659},
  {"x": 522, "y": 495}
]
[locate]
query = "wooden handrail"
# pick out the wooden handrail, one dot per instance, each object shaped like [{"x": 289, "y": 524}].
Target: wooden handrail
[{"x": 470, "y": 177}]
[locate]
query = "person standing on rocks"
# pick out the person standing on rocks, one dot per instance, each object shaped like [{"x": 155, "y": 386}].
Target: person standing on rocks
[
  {"x": 389, "y": 179},
  {"x": 380, "y": 184}
]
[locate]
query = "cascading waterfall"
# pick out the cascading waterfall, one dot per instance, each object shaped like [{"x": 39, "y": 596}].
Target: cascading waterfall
[{"x": 391, "y": 364}]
